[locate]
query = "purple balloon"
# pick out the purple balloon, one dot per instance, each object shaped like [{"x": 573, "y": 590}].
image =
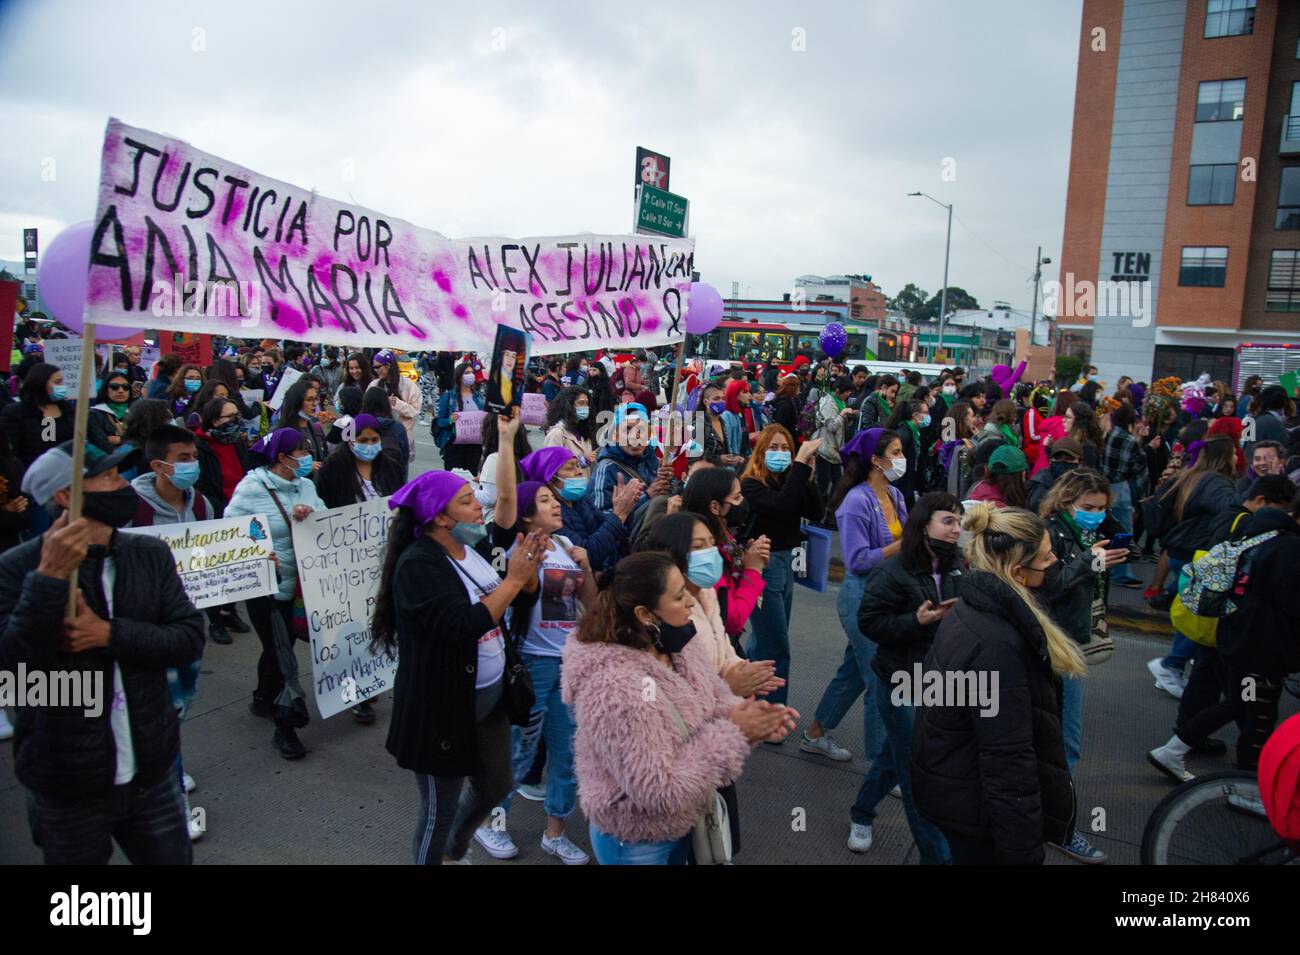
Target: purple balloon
[
  {"x": 63, "y": 275},
  {"x": 833, "y": 339},
  {"x": 705, "y": 309}
]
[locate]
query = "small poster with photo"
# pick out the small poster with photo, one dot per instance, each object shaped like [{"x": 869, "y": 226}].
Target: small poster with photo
[
  {"x": 508, "y": 373},
  {"x": 560, "y": 588}
]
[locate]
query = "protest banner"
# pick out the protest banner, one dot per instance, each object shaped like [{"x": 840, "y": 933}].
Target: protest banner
[
  {"x": 221, "y": 561},
  {"x": 340, "y": 556},
  {"x": 192, "y": 349},
  {"x": 259, "y": 258}
]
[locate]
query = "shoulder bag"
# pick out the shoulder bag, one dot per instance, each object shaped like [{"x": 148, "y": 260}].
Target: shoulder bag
[{"x": 711, "y": 837}]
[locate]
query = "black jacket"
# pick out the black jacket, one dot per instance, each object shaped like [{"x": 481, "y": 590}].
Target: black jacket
[
  {"x": 1042, "y": 482},
  {"x": 998, "y": 777},
  {"x": 1263, "y": 635},
  {"x": 25, "y": 427},
  {"x": 786, "y": 414},
  {"x": 60, "y": 751},
  {"x": 339, "y": 484},
  {"x": 1070, "y": 602},
  {"x": 211, "y": 483},
  {"x": 438, "y": 629},
  {"x": 776, "y": 508},
  {"x": 1213, "y": 495},
  {"x": 887, "y": 614}
]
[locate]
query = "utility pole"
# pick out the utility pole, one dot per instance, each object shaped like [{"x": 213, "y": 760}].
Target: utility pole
[
  {"x": 947, "y": 248},
  {"x": 1039, "y": 262}
]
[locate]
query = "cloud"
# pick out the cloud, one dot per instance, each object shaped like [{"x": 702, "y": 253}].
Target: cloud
[{"x": 522, "y": 119}]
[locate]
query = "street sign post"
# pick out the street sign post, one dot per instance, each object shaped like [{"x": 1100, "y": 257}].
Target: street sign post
[{"x": 660, "y": 212}]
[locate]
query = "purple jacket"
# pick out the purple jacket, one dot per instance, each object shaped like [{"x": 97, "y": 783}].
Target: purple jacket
[{"x": 864, "y": 533}]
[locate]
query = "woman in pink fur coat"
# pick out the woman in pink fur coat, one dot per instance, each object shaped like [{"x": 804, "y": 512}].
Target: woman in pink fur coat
[{"x": 630, "y": 672}]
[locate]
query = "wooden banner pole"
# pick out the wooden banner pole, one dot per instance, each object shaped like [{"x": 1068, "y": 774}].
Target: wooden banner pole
[{"x": 79, "y": 442}]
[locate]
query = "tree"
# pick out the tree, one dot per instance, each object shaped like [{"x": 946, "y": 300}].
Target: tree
[
  {"x": 957, "y": 298},
  {"x": 910, "y": 301},
  {"x": 1068, "y": 368}
]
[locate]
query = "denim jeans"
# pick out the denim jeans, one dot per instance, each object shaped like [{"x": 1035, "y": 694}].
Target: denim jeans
[
  {"x": 892, "y": 769},
  {"x": 1181, "y": 650},
  {"x": 770, "y": 622},
  {"x": 147, "y": 820},
  {"x": 611, "y": 851},
  {"x": 1072, "y": 720},
  {"x": 1121, "y": 509},
  {"x": 854, "y": 677},
  {"x": 551, "y": 720}
]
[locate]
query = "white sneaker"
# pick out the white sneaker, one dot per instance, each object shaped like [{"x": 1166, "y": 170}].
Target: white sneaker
[
  {"x": 859, "y": 837},
  {"x": 196, "y": 830},
  {"x": 6, "y": 728},
  {"x": 824, "y": 746},
  {"x": 188, "y": 782},
  {"x": 1170, "y": 763},
  {"x": 1171, "y": 681},
  {"x": 496, "y": 842},
  {"x": 532, "y": 793},
  {"x": 897, "y": 792},
  {"x": 563, "y": 849}
]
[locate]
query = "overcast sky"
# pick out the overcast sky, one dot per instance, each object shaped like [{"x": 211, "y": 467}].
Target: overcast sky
[{"x": 523, "y": 119}]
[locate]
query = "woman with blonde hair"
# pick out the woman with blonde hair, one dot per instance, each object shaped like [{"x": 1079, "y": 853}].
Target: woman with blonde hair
[{"x": 990, "y": 771}]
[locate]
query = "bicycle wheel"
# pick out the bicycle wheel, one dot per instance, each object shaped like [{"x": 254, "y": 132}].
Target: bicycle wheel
[{"x": 1216, "y": 819}]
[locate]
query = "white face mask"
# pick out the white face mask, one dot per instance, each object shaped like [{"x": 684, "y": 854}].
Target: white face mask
[
  {"x": 949, "y": 389},
  {"x": 467, "y": 379},
  {"x": 897, "y": 468}
]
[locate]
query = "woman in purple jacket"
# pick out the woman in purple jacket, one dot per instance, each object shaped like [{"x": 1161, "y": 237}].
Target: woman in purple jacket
[{"x": 870, "y": 513}]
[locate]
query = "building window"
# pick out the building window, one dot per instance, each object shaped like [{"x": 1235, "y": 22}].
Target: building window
[
  {"x": 1229, "y": 18},
  {"x": 1283, "y": 282},
  {"x": 1203, "y": 266},
  {"x": 1212, "y": 185},
  {"x": 1288, "y": 199},
  {"x": 1220, "y": 101}
]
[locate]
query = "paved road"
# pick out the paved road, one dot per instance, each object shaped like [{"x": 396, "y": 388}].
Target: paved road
[{"x": 347, "y": 802}]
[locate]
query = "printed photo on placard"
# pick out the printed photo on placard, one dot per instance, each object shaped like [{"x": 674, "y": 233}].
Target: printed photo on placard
[
  {"x": 507, "y": 374},
  {"x": 560, "y": 594}
]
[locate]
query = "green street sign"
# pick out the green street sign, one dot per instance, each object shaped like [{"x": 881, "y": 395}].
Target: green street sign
[{"x": 660, "y": 212}]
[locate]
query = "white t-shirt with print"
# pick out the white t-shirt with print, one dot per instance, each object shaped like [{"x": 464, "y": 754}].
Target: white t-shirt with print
[
  {"x": 555, "y": 614},
  {"x": 491, "y": 646}
]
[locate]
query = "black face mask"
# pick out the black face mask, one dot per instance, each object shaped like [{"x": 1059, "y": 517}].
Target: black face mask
[
  {"x": 1051, "y": 579},
  {"x": 670, "y": 639},
  {"x": 944, "y": 550},
  {"x": 1060, "y": 467},
  {"x": 738, "y": 515},
  {"x": 114, "y": 508}
]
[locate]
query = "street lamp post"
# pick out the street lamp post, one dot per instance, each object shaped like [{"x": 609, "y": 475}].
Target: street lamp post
[
  {"x": 1039, "y": 262},
  {"x": 947, "y": 248}
]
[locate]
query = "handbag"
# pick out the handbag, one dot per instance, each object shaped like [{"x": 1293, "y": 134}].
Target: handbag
[{"x": 711, "y": 837}]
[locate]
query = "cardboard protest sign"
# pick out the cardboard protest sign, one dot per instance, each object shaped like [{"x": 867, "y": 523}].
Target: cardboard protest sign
[
  {"x": 340, "y": 556},
  {"x": 287, "y": 379},
  {"x": 187, "y": 241},
  {"x": 251, "y": 396},
  {"x": 508, "y": 373},
  {"x": 221, "y": 561},
  {"x": 65, "y": 355}
]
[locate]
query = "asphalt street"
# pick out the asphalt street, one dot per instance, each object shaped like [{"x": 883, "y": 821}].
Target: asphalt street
[{"x": 348, "y": 802}]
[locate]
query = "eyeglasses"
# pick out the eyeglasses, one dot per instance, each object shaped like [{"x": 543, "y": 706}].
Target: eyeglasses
[{"x": 119, "y": 387}]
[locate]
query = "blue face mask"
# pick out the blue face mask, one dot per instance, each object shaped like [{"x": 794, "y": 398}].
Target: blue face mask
[
  {"x": 59, "y": 392},
  {"x": 704, "y": 567},
  {"x": 925, "y": 421},
  {"x": 1089, "y": 520},
  {"x": 582, "y": 412},
  {"x": 717, "y": 407},
  {"x": 304, "y": 466},
  {"x": 776, "y": 461},
  {"x": 192, "y": 386},
  {"x": 366, "y": 452},
  {"x": 469, "y": 534},
  {"x": 574, "y": 488},
  {"x": 185, "y": 474}
]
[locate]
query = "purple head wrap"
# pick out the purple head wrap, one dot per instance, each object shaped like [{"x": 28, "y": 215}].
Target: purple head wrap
[
  {"x": 428, "y": 495},
  {"x": 1139, "y": 394},
  {"x": 863, "y": 444},
  {"x": 1194, "y": 451},
  {"x": 543, "y": 464},
  {"x": 278, "y": 442},
  {"x": 526, "y": 494},
  {"x": 384, "y": 357},
  {"x": 363, "y": 421}
]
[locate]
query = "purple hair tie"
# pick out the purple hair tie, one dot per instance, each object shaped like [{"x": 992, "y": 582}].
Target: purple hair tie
[{"x": 1193, "y": 451}]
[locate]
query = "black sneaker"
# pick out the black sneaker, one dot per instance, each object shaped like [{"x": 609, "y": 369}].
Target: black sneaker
[
  {"x": 234, "y": 623},
  {"x": 363, "y": 713},
  {"x": 287, "y": 744},
  {"x": 1210, "y": 747},
  {"x": 219, "y": 634},
  {"x": 259, "y": 707},
  {"x": 1161, "y": 601}
]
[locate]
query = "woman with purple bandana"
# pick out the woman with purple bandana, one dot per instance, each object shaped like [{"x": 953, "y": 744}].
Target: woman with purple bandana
[
  {"x": 403, "y": 394},
  {"x": 440, "y": 607},
  {"x": 870, "y": 513}
]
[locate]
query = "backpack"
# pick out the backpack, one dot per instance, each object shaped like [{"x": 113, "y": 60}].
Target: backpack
[{"x": 1207, "y": 584}]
